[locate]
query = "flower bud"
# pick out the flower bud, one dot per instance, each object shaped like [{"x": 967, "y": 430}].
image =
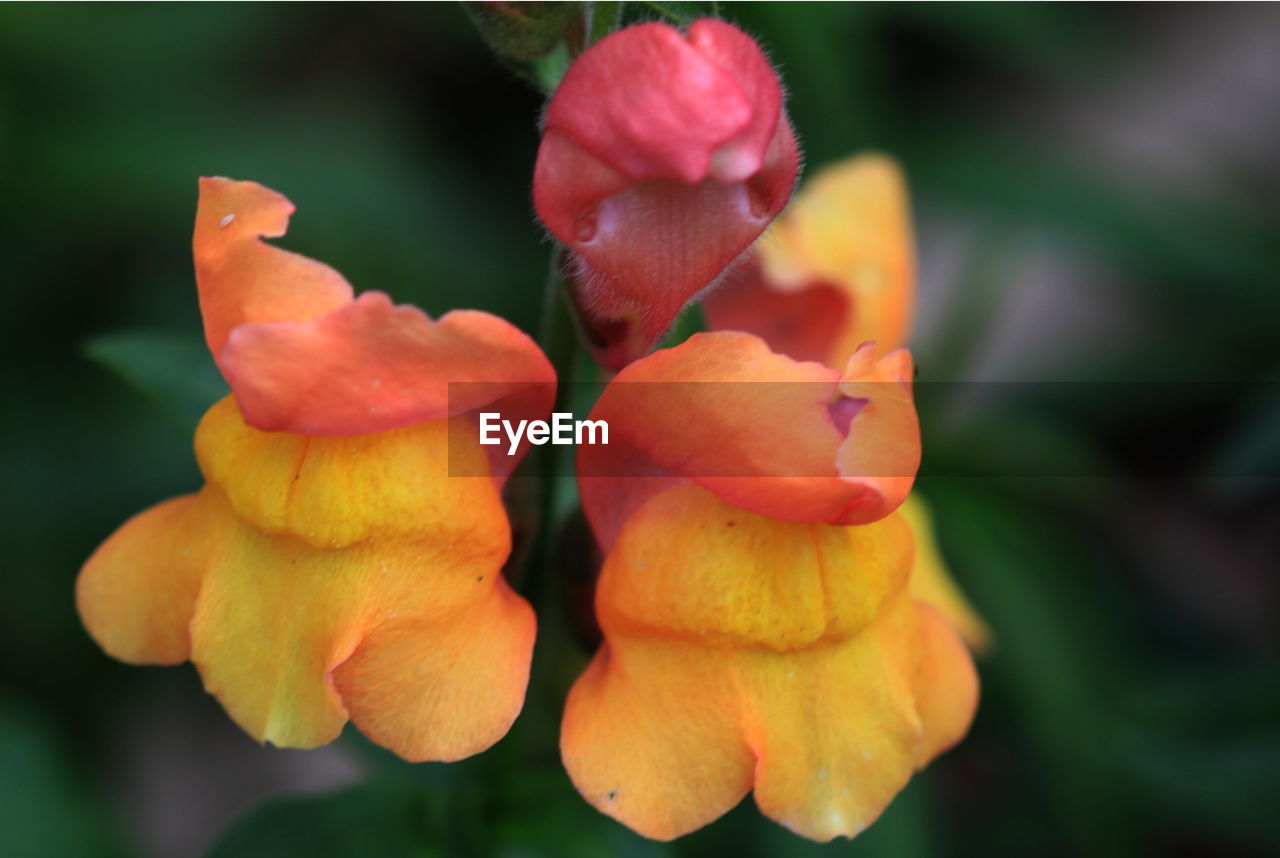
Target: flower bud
[{"x": 664, "y": 156}]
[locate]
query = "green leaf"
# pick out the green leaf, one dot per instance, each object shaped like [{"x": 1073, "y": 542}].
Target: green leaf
[
  {"x": 43, "y": 812},
  {"x": 1057, "y": 652},
  {"x": 171, "y": 368},
  {"x": 1204, "y": 749},
  {"x": 377, "y": 819},
  {"x": 545, "y": 818}
]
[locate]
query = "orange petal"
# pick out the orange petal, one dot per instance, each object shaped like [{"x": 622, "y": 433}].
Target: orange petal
[
  {"x": 302, "y": 356},
  {"x": 932, "y": 583},
  {"x": 651, "y": 738},
  {"x": 373, "y": 366},
  {"x": 757, "y": 429},
  {"x": 882, "y": 444},
  {"x": 443, "y": 687},
  {"x": 946, "y": 686},
  {"x": 745, "y": 651},
  {"x": 137, "y": 592},
  {"x": 242, "y": 279}
]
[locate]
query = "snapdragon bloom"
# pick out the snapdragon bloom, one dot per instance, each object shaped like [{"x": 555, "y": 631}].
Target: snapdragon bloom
[
  {"x": 664, "y": 156},
  {"x": 759, "y": 631},
  {"x": 835, "y": 271},
  {"x": 329, "y": 569}
]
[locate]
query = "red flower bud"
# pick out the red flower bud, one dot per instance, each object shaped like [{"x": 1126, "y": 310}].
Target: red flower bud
[{"x": 664, "y": 156}]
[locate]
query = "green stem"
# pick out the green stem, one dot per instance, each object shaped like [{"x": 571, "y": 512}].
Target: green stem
[
  {"x": 559, "y": 339},
  {"x": 533, "y": 735},
  {"x": 557, "y": 335},
  {"x": 604, "y": 20},
  {"x": 665, "y": 12}
]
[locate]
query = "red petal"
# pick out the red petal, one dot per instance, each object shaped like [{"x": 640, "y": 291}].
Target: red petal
[
  {"x": 803, "y": 324},
  {"x": 739, "y": 55},
  {"x": 847, "y": 233},
  {"x": 372, "y": 366},
  {"x": 647, "y": 250},
  {"x": 651, "y": 104},
  {"x": 663, "y": 159}
]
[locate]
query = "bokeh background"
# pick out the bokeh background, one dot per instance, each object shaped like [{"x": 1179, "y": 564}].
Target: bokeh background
[{"x": 1095, "y": 189}]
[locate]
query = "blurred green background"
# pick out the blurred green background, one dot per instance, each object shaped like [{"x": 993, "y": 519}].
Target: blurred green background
[{"x": 1095, "y": 190}]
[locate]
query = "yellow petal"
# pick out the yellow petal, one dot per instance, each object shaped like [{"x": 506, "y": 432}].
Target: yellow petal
[
  {"x": 651, "y": 736},
  {"x": 274, "y": 617},
  {"x": 136, "y": 593},
  {"x": 933, "y": 584},
  {"x": 334, "y": 492},
  {"x": 689, "y": 563},
  {"x": 369, "y": 552},
  {"x": 835, "y": 727},
  {"x": 443, "y": 686}
]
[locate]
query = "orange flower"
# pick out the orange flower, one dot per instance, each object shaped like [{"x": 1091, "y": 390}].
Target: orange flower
[
  {"x": 329, "y": 569},
  {"x": 751, "y": 642},
  {"x": 837, "y": 270}
]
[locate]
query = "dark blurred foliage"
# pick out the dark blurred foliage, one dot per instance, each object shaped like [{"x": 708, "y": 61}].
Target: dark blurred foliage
[{"x": 1095, "y": 189}]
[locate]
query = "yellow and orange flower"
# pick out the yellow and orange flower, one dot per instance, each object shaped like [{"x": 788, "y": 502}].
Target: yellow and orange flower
[
  {"x": 759, "y": 630},
  {"x": 837, "y": 270},
  {"x": 329, "y": 569}
]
